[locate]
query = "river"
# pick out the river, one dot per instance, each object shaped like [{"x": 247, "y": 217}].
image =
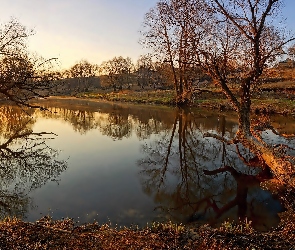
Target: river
[{"x": 131, "y": 164}]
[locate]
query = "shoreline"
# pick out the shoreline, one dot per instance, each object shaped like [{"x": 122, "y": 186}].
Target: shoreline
[
  {"x": 269, "y": 102},
  {"x": 266, "y": 106}
]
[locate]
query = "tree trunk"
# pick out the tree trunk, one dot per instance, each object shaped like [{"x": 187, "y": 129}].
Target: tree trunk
[
  {"x": 244, "y": 120},
  {"x": 244, "y": 110}
]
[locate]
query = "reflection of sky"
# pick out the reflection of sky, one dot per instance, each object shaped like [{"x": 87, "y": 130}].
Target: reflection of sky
[{"x": 101, "y": 178}]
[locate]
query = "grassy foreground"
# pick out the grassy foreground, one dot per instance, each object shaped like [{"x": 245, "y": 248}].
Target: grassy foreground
[{"x": 63, "y": 234}]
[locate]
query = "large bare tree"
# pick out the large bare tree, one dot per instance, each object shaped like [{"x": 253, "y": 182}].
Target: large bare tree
[
  {"x": 233, "y": 41},
  {"x": 169, "y": 29},
  {"x": 243, "y": 40},
  {"x": 22, "y": 76}
]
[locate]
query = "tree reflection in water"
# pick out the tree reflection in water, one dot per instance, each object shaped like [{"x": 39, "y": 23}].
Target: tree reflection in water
[
  {"x": 204, "y": 180},
  {"x": 118, "y": 125},
  {"x": 193, "y": 178},
  {"x": 26, "y": 161},
  {"x": 112, "y": 120}
]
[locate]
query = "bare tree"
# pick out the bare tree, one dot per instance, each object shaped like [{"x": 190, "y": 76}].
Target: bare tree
[
  {"x": 22, "y": 77},
  {"x": 169, "y": 29},
  {"x": 233, "y": 41},
  {"x": 144, "y": 70},
  {"x": 118, "y": 71},
  {"x": 83, "y": 71},
  {"x": 13, "y": 38},
  {"x": 242, "y": 39}
]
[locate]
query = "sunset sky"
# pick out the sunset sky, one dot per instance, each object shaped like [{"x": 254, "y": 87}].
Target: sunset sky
[{"x": 96, "y": 30}]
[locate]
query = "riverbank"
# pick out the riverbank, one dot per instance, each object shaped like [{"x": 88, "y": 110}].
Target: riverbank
[
  {"x": 270, "y": 99},
  {"x": 63, "y": 234}
]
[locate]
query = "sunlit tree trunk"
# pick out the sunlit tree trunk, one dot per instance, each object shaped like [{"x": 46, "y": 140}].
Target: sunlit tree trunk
[
  {"x": 244, "y": 121},
  {"x": 244, "y": 110}
]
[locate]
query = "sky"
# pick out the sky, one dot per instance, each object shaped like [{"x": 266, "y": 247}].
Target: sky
[{"x": 95, "y": 30}]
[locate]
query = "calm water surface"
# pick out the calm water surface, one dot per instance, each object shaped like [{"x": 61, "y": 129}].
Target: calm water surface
[{"x": 131, "y": 164}]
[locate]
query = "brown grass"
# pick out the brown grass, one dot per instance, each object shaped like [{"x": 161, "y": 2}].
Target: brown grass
[{"x": 63, "y": 234}]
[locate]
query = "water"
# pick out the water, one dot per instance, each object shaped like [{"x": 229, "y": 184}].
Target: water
[{"x": 130, "y": 164}]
